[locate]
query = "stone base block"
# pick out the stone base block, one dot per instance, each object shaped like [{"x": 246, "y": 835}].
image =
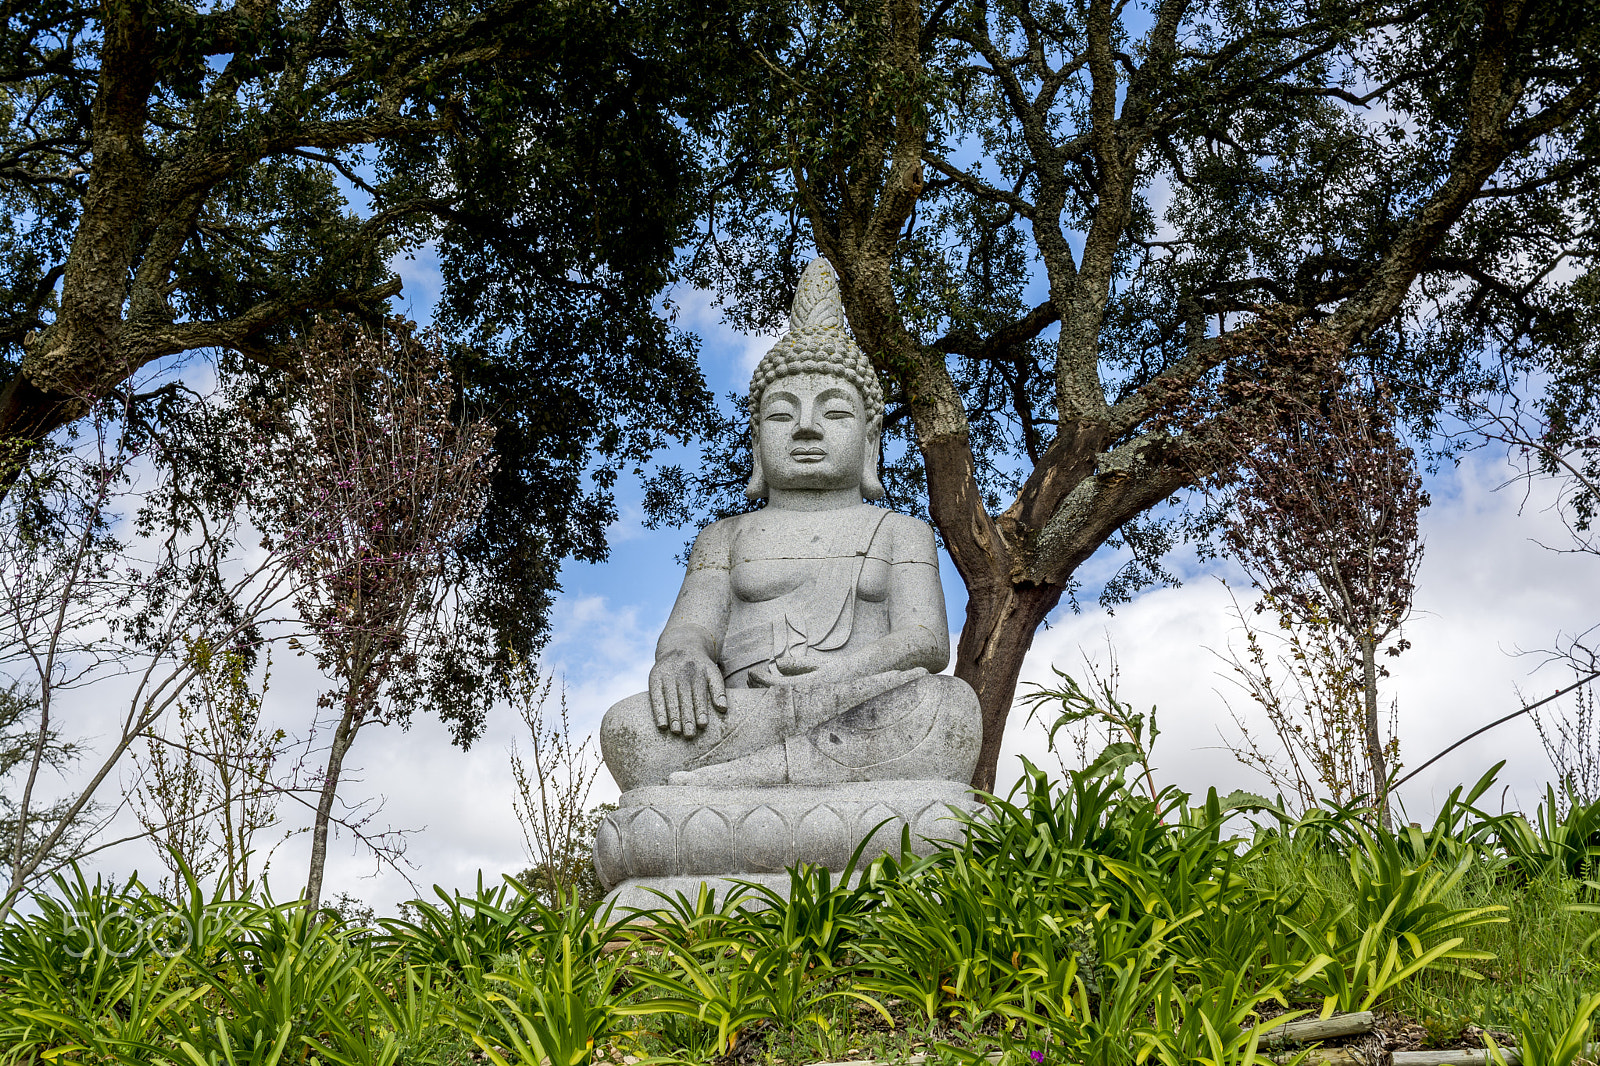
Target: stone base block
[
  {"x": 653, "y": 893},
  {"x": 674, "y": 838}
]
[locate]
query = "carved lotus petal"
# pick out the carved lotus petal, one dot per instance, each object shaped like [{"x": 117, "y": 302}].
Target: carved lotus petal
[
  {"x": 765, "y": 842},
  {"x": 886, "y": 836},
  {"x": 824, "y": 837},
  {"x": 608, "y": 853},
  {"x": 651, "y": 845},
  {"x": 934, "y": 823},
  {"x": 705, "y": 843}
]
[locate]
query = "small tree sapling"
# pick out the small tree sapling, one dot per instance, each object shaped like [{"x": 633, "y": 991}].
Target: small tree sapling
[
  {"x": 1313, "y": 702},
  {"x": 379, "y": 482},
  {"x": 1325, "y": 523},
  {"x": 89, "y": 599},
  {"x": 551, "y": 803},
  {"x": 206, "y": 792}
]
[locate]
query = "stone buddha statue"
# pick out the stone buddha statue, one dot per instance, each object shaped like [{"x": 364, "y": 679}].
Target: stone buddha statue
[{"x": 799, "y": 664}]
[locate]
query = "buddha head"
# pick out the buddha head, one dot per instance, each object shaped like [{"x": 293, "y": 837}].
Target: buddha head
[{"x": 816, "y": 381}]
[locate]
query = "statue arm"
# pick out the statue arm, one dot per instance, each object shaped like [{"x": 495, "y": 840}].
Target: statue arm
[
  {"x": 919, "y": 630},
  {"x": 686, "y": 682}
]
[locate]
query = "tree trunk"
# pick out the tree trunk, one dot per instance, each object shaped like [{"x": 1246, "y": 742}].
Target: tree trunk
[
  {"x": 20, "y": 864},
  {"x": 343, "y": 735},
  {"x": 994, "y": 641},
  {"x": 1375, "y": 759}
]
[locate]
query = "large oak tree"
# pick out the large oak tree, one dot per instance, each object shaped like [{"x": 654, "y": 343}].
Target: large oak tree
[
  {"x": 1057, "y": 226},
  {"x": 179, "y": 183}
]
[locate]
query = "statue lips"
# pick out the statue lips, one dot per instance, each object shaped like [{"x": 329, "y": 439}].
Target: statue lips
[{"x": 808, "y": 455}]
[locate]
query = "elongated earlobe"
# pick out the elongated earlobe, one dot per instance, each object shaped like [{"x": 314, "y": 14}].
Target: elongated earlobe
[
  {"x": 757, "y": 488},
  {"x": 871, "y": 484}
]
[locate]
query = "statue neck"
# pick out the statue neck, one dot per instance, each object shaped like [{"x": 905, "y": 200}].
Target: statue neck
[{"x": 813, "y": 499}]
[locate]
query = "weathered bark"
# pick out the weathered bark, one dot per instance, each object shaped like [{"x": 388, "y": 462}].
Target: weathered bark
[
  {"x": 78, "y": 354},
  {"x": 1377, "y": 764},
  {"x": 141, "y": 205},
  {"x": 343, "y": 735},
  {"x": 994, "y": 642},
  {"x": 1485, "y": 143},
  {"x": 1016, "y": 568}
]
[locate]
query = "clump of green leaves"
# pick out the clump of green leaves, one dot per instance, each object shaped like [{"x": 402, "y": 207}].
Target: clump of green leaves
[{"x": 1083, "y": 920}]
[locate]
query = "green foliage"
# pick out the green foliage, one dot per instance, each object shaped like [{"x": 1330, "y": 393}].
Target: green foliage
[
  {"x": 953, "y": 938},
  {"x": 277, "y": 164},
  {"x": 726, "y": 984},
  {"x": 1215, "y": 1025},
  {"x": 1553, "y": 1025},
  {"x": 461, "y": 933},
  {"x": 1087, "y": 923},
  {"x": 1169, "y": 912},
  {"x": 950, "y": 157},
  {"x": 820, "y": 920},
  {"x": 1395, "y": 889},
  {"x": 1355, "y": 974},
  {"x": 554, "y": 999},
  {"x": 278, "y": 992},
  {"x": 1118, "y": 718},
  {"x": 81, "y": 975},
  {"x": 1564, "y": 836}
]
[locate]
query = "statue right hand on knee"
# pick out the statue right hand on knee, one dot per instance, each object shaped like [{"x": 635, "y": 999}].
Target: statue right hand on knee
[{"x": 685, "y": 687}]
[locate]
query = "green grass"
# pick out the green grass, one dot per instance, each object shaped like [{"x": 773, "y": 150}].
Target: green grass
[{"x": 1085, "y": 922}]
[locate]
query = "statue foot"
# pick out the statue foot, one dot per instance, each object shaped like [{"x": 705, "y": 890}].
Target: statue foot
[{"x": 770, "y": 766}]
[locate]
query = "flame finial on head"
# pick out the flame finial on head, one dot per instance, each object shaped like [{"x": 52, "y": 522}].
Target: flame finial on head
[
  {"x": 816, "y": 299},
  {"x": 818, "y": 341}
]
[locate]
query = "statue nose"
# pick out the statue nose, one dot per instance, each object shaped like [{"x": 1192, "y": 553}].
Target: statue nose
[{"x": 804, "y": 430}]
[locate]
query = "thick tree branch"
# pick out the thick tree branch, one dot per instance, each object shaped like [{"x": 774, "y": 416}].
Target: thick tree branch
[
  {"x": 1002, "y": 344},
  {"x": 978, "y": 187},
  {"x": 1484, "y": 145}
]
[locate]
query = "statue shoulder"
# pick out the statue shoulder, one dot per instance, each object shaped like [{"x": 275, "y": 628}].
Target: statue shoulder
[
  {"x": 912, "y": 539},
  {"x": 713, "y": 545}
]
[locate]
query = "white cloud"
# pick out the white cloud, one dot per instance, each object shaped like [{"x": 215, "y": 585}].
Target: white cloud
[
  {"x": 629, "y": 524},
  {"x": 728, "y": 354}
]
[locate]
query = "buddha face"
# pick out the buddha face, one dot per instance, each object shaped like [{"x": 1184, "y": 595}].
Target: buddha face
[{"x": 812, "y": 433}]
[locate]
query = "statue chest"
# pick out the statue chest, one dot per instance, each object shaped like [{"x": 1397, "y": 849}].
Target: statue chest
[
  {"x": 806, "y": 559},
  {"x": 759, "y": 580}
]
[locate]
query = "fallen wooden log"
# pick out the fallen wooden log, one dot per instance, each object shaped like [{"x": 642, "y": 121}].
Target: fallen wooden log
[
  {"x": 1337, "y": 1056},
  {"x": 1317, "y": 1057},
  {"x": 1306, "y": 1030},
  {"x": 1331, "y": 1056},
  {"x": 1589, "y": 1057}
]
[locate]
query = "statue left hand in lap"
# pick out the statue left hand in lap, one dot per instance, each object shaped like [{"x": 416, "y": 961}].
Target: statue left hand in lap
[{"x": 805, "y": 643}]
